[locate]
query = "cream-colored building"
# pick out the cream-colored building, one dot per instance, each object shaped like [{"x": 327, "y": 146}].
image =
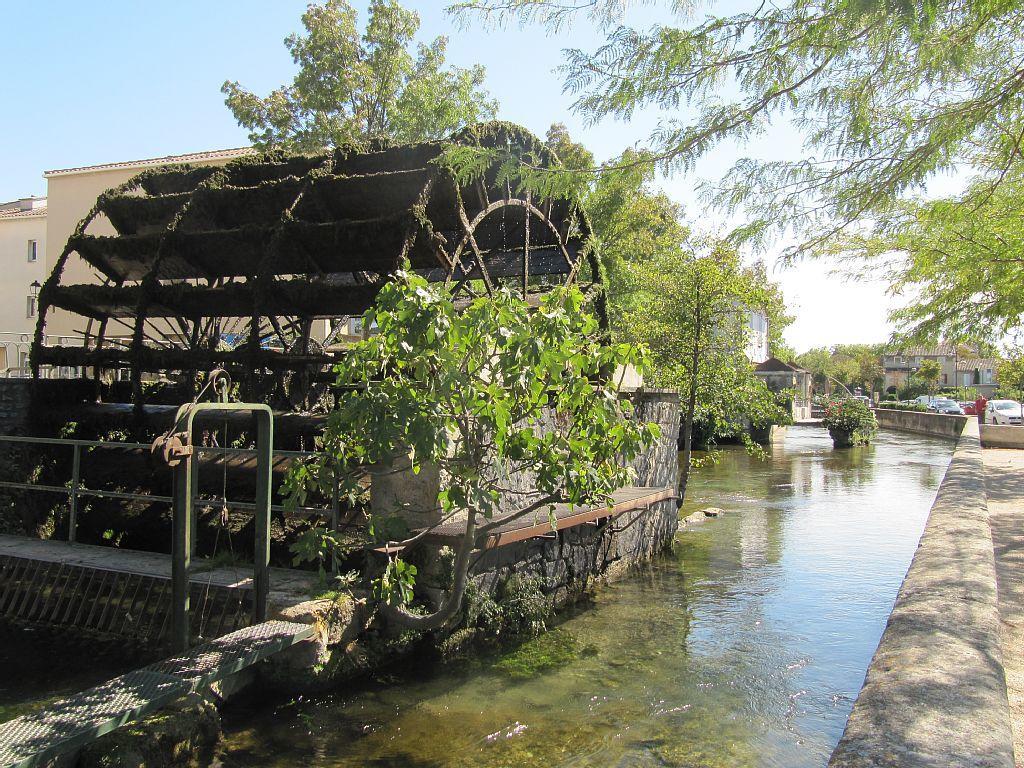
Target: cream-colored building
[
  {"x": 958, "y": 367},
  {"x": 22, "y": 254}
]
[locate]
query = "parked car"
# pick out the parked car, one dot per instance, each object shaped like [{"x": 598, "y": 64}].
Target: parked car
[
  {"x": 926, "y": 400},
  {"x": 1003, "y": 412},
  {"x": 969, "y": 409},
  {"x": 945, "y": 405}
]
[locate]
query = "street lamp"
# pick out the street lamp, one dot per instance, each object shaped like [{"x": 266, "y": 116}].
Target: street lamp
[{"x": 33, "y": 288}]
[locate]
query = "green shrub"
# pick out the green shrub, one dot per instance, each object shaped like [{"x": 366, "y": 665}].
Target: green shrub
[
  {"x": 850, "y": 422},
  {"x": 909, "y": 406}
]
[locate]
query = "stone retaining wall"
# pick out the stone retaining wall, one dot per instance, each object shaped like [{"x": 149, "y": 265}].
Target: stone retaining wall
[
  {"x": 1002, "y": 436},
  {"x": 568, "y": 562},
  {"x": 935, "y": 692},
  {"x": 923, "y": 423}
]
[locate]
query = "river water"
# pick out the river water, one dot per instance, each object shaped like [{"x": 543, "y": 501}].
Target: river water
[{"x": 744, "y": 647}]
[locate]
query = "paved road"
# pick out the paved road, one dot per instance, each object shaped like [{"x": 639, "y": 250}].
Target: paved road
[{"x": 1004, "y": 482}]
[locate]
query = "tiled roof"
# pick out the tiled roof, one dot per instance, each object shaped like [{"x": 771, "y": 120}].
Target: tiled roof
[
  {"x": 938, "y": 350},
  {"x": 17, "y": 213},
  {"x": 194, "y": 157},
  {"x": 979, "y": 363},
  {"x": 774, "y": 364}
]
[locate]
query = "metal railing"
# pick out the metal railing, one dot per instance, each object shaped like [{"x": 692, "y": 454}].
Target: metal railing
[
  {"x": 75, "y": 490},
  {"x": 15, "y": 348}
]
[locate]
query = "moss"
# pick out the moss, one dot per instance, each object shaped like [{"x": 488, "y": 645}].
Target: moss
[{"x": 552, "y": 649}]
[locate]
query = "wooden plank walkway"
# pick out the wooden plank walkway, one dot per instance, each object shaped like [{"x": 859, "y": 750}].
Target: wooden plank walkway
[
  {"x": 538, "y": 524},
  {"x": 69, "y": 724}
]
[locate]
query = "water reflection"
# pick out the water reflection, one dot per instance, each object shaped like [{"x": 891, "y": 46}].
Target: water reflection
[{"x": 743, "y": 648}]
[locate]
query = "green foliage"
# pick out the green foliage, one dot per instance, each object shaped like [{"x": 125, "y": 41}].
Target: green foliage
[
  {"x": 516, "y": 609},
  {"x": 929, "y": 372},
  {"x": 905, "y": 406},
  {"x": 960, "y": 258},
  {"x": 688, "y": 306},
  {"x": 889, "y": 93},
  {"x": 849, "y": 365},
  {"x": 317, "y": 544},
  {"x": 396, "y": 584},
  {"x": 351, "y": 87},
  {"x": 669, "y": 288},
  {"x": 1011, "y": 373},
  {"x": 914, "y": 387},
  {"x": 889, "y": 96},
  {"x": 849, "y": 421},
  {"x": 474, "y": 391}
]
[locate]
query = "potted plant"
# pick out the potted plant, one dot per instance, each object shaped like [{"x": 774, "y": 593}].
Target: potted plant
[{"x": 849, "y": 422}]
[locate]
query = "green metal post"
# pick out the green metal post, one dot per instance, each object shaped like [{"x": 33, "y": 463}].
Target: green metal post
[
  {"x": 184, "y": 493},
  {"x": 181, "y": 554},
  {"x": 261, "y": 555},
  {"x": 193, "y": 532}
]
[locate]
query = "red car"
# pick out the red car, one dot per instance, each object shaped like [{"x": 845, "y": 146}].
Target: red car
[{"x": 969, "y": 409}]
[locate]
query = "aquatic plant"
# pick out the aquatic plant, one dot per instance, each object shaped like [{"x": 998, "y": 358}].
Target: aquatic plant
[{"x": 550, "y": 650}]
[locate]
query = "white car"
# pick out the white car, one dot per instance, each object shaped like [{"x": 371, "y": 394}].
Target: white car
[{"x": 1003, "y": 412}]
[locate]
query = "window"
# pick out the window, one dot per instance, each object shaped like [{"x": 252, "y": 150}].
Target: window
[
  {"x": 33, "y": 250},
  {"x": 30, "y": 306}
]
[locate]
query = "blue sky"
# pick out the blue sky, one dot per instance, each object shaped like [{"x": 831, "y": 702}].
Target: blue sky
[{"x": 89, "y": 83}]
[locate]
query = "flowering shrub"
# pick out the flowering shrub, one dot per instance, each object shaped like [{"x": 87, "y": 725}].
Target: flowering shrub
[{"x": 849, "y": 422}]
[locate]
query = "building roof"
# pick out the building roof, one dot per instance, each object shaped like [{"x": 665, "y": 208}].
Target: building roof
[
  {"x": 773, "y": 364},
  {"x": 192, "y": 157},
  {"x": 23, "y": 208},
  {"x": 17, "y": 213},
  {"x": 937, "y": 350},
  {"x": 977, "y": 363}
]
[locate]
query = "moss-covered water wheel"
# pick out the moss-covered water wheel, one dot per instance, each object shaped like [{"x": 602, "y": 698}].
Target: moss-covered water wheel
[{"x": 251, "y": 265}]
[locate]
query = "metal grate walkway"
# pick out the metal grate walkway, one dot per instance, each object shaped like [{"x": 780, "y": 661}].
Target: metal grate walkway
[{"x": 37, "y": 738}]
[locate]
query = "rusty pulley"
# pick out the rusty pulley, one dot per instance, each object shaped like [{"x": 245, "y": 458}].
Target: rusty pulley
[{"x": 173, "y": 446}]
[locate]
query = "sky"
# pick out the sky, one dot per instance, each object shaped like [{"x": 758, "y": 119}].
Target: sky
[{"x": 88, "y": 83}]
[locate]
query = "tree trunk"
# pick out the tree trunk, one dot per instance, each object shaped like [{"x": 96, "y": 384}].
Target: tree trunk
[
  {"x": 691, "y": 406},
  {"x": 451, "y": 605},
  {"x": 684, "y": 471}
]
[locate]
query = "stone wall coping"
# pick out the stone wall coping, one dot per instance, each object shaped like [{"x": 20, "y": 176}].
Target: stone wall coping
[
  {"x": 1002, "y": 436},
  {"x": 935, "y": 691},
  {"x": 923, "y": 422}
]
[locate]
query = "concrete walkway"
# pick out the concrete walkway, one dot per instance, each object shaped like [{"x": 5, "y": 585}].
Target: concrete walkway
[
  {"x": 1004, "y": 485},
  {"x": 287, "y": 587}
]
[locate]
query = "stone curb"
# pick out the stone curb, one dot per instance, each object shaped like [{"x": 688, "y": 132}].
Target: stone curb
[{"x": 935, "y": 691}]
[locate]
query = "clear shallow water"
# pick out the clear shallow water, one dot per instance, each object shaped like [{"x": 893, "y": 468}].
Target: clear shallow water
[{"x": 744, "y": 647}]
